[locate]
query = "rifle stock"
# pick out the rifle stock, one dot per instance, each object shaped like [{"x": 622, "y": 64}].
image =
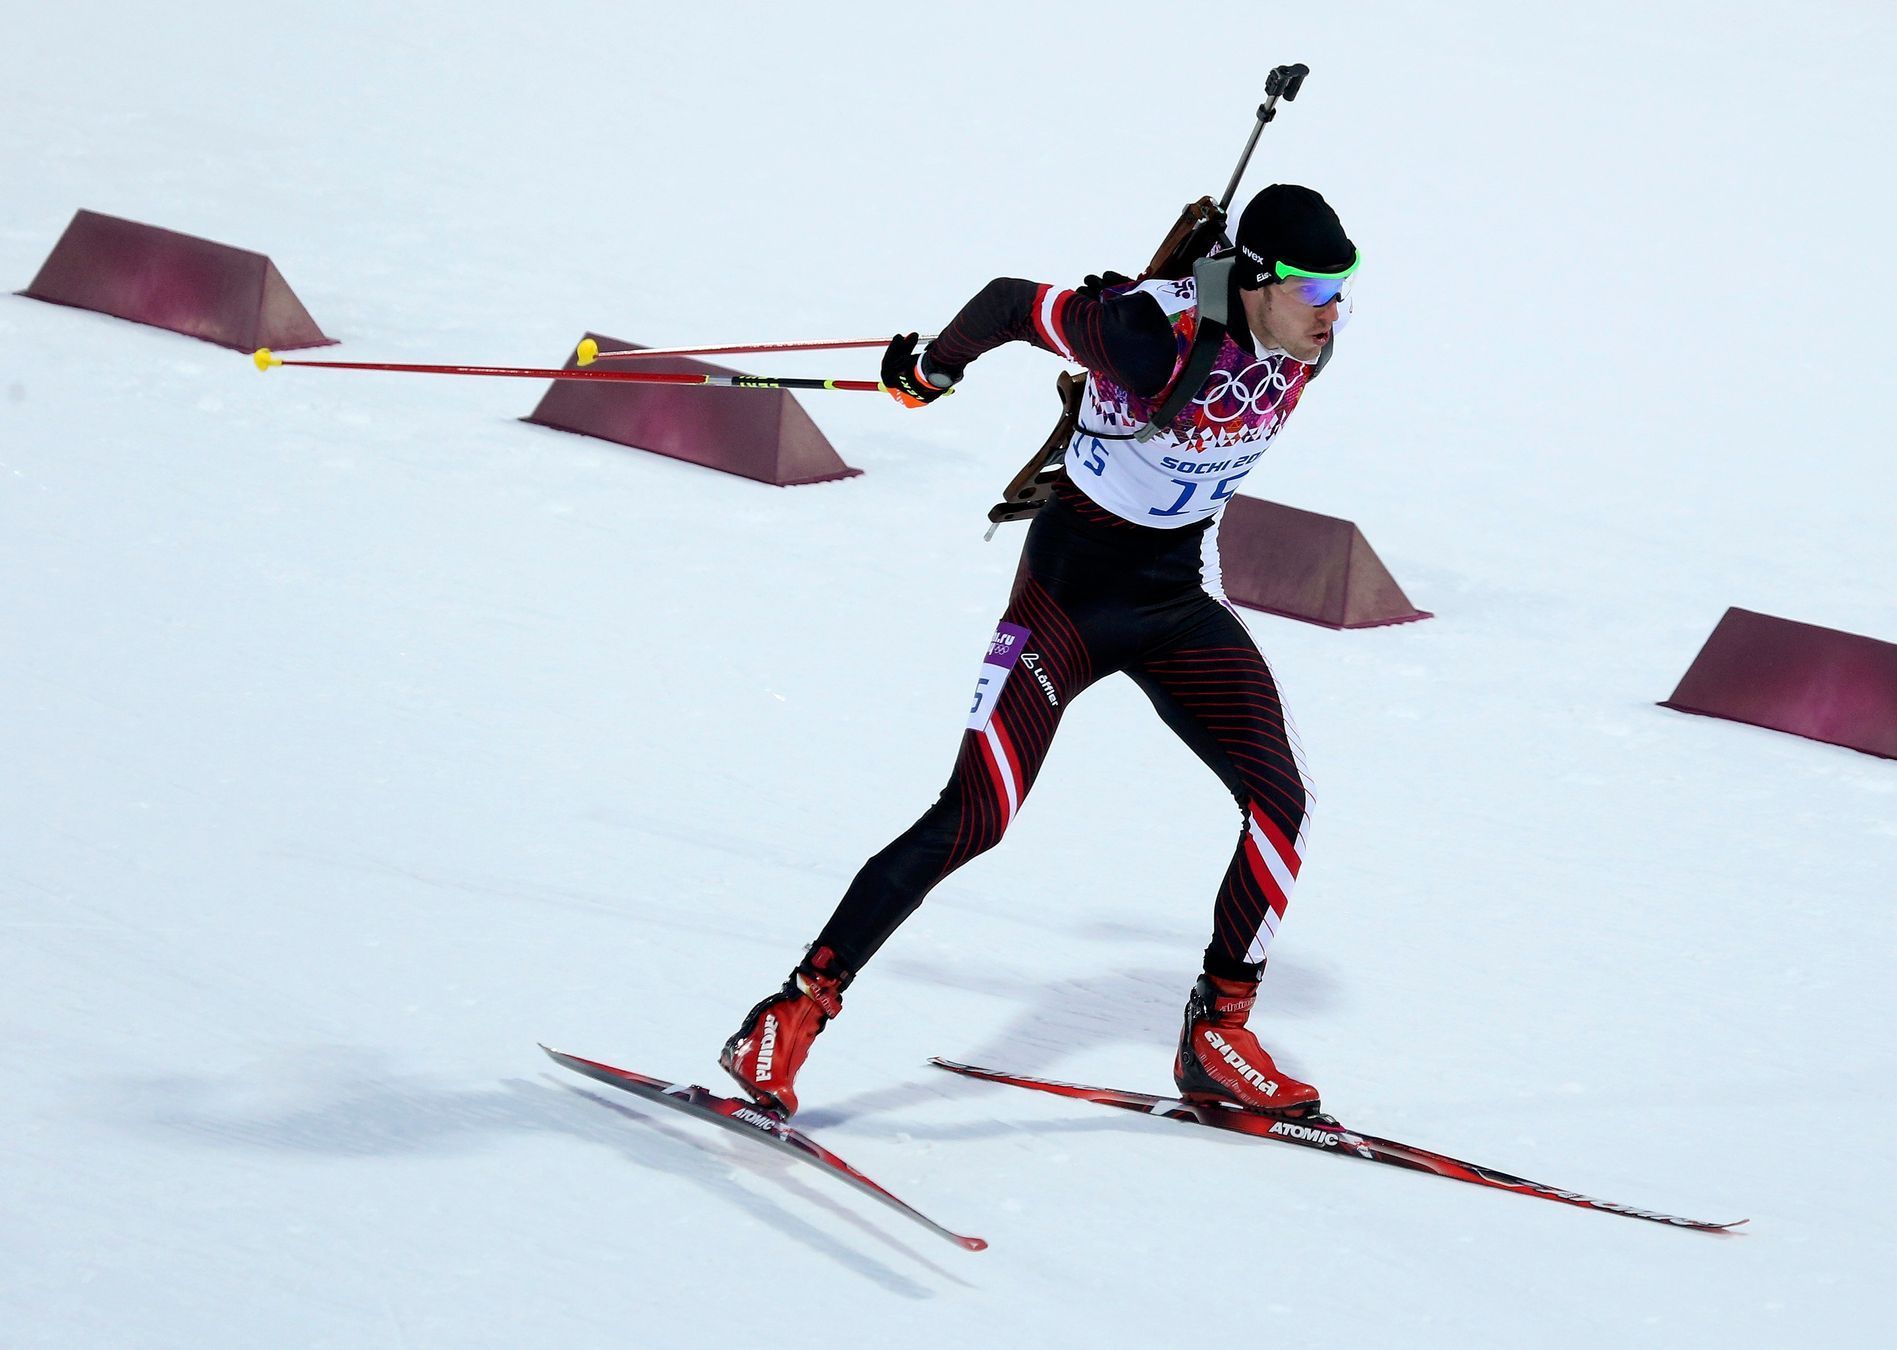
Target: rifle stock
[
  {"x": 1199, "y": 230},
  {"x": 1035, "y": 483}
]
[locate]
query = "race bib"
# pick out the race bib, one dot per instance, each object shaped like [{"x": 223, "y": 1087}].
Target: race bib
[{"x": 1004, "y": 649}]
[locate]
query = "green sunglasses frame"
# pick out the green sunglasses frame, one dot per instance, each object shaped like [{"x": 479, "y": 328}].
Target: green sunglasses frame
[{"x": 1285, "y": 271}]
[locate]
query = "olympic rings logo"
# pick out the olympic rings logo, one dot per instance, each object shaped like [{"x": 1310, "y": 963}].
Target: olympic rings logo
[{"x": 1234, "y": 389}]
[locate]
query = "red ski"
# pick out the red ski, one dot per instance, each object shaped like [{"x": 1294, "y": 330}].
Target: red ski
[
  {"x": 754, "y": 1122},
  {"x": 1325, "y": 1134}
]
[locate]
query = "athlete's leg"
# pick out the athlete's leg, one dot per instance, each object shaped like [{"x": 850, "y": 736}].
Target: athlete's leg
[
  {"x": 1215, "y": 691},
  {"x": 1066, "y": 625},
  {"x": 1001, "y": 755}
]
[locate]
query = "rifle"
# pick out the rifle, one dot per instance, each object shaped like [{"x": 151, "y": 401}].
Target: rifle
[{"x": 1199, "y": 232}]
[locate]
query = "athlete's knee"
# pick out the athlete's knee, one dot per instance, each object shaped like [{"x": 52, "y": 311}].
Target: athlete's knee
[
  {"x": 1285, "y": 803},
  {"x": 981, "y": 824},
  {"x": 991, "y": 782},
  {"x": 968, "y": 819},
  {"x": 1278, "y": 819}
]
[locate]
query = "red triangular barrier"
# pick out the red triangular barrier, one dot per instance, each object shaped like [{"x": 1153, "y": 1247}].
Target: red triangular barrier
[
  {"x": 1825, "y": 685},
  {"x": 763, "y": 434},
  {"x": 1306, "y": 566},
  {"x": 193, "y": 286}
]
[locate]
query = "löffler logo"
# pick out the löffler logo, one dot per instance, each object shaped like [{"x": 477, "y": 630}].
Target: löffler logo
[{"x": 1032, "y": 660}]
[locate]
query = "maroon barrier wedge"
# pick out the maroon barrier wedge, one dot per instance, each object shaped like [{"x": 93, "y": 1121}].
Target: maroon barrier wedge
[
  {"x": 188, "y": 285},
  {"x": 1306, "y": 566},
  {"x": 1819, "y": 683}
]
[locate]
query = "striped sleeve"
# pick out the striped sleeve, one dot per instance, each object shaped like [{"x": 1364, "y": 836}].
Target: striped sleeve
[
  {"x": 1126, "y": 337},
  {"x": 1050, "y": 307}
]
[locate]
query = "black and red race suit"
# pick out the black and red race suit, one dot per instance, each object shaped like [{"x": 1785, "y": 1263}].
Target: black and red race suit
[{"x": 1120, "y": 575}]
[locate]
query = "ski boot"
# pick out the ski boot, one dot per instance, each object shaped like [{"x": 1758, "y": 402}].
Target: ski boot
[
  {"x": 769, "y": 1048},
  {"x": 1220, "y": 1061}
]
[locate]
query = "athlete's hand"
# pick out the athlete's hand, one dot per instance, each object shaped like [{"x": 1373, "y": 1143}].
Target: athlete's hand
[
  {"x": 912, "y": 380},
  {"x": 1093, "y": 285}
]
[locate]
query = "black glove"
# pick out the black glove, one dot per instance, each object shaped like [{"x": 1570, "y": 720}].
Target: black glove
[
  {"x": 1093, "y": 285},
  {"x": 912, "y": 380}
]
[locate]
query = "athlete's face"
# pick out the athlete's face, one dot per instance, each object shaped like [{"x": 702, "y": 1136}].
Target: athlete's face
[{"x": 1279, "y": 318}]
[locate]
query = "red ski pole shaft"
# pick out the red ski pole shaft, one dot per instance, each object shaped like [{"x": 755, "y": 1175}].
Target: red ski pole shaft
[
  {"x": 589, "y": 352},
  {"x": 265, "y": 359}
]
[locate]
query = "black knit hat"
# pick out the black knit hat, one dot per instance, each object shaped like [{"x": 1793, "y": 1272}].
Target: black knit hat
[{"x": 1290, "y": 224}]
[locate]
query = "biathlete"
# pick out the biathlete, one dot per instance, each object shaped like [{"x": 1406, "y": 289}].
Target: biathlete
[{"x": 1122, "y": 575}]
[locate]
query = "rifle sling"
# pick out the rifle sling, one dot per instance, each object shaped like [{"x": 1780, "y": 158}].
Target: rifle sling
[{"x": 1214, "y": 279}]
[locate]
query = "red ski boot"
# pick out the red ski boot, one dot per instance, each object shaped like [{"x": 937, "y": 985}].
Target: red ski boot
[
  {"x": 1220, "y": 1061},
  {"x": 768, "y": 1050}
]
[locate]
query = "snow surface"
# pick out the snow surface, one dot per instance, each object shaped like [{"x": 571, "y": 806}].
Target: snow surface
[{"x": 357, "y": 736}]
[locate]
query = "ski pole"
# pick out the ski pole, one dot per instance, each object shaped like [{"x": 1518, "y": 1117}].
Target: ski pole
[
  {"x": 589, "y": 352},
  {"x": 265, "y": 359},
  {"x": 1200, "y": 229},
  {"x": 1283, "y": 80}
]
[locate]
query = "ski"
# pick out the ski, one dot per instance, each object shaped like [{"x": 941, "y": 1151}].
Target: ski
[
  {"x": 753, "y": 1122},
  {"x": 1325, "y": 1134}
]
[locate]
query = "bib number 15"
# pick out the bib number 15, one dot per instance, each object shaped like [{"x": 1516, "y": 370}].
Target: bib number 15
[{"x": 1189, "y": 488}]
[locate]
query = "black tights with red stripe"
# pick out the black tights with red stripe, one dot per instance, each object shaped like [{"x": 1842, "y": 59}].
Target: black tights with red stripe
[{"x": 1100, "y": 595}]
